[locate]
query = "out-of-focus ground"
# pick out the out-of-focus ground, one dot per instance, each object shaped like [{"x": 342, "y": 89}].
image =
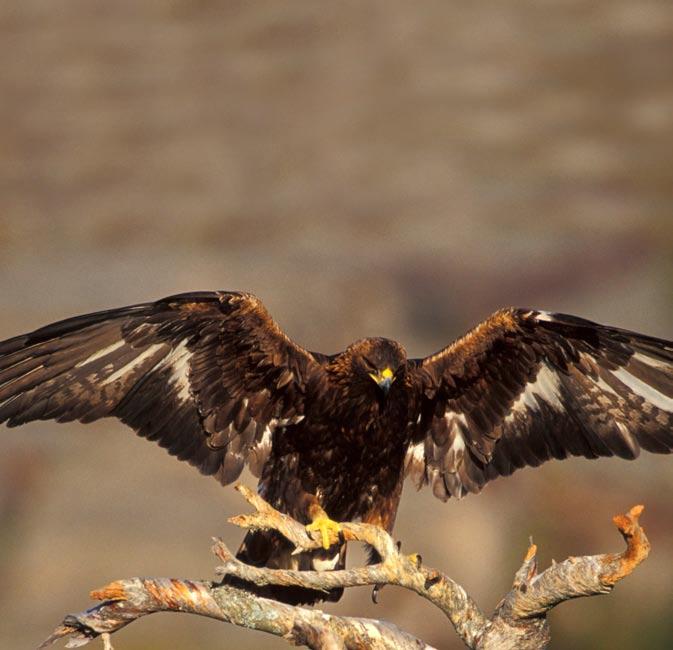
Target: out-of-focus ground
[{"x": 394, "y": 168}]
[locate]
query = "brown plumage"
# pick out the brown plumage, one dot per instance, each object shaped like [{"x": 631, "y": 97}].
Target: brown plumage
[{"x": 213, "y": 379}]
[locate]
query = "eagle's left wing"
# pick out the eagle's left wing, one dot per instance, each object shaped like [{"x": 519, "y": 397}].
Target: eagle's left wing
[
  {"x": 208, "y": 375},
  {"x": 526, "y": 386}
]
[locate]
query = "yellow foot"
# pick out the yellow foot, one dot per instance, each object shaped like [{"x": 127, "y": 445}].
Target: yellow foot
[{"x": 329, "y": 530}]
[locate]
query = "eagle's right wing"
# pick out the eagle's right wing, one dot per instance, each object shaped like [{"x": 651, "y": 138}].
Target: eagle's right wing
[
  {"x": 207, "y": 375},
  {"x": 526, "y": 386}
]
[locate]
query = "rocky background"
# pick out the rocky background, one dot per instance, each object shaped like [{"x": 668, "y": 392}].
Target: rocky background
[{"x": 395, "y": 169}]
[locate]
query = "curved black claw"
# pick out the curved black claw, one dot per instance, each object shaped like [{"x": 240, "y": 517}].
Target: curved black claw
[{"x": 375, "y": 593}]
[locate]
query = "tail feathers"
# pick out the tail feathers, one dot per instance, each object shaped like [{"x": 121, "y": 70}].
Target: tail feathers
[{"x": 269, "y": 549}]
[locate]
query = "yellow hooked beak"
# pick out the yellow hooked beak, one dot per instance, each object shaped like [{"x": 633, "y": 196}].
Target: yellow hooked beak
[{"x": 384, "y": 379}]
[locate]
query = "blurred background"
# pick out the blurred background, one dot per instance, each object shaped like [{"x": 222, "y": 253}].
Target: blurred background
[{"x": 373, "y": 168}]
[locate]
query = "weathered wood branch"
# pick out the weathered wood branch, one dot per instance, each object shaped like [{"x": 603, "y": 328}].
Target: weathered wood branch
[
  {"x": 127, "y": 600},
  {"x": 518, "y": 622}
]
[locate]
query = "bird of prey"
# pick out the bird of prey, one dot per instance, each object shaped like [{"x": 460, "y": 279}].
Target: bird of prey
[{"x": 213, "y": 379}]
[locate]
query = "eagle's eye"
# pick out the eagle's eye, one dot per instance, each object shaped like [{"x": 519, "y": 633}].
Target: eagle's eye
[{"x": 369, "y": 365}]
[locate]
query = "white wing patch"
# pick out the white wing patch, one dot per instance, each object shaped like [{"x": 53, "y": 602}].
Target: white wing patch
[
  {"x": 133, "y": 364},
  {"x": 259, "y": 451},
  {"x": 546, "y": 386},
  {"x": 101, "y": 353},
  {"x": 456, "y": 424},
  {"x": 606, "y": 388},
  {"x": 414, "y": 462},
  {"x": 648, "y": 393},
  {"x": 179, "y": 360},
  {"x": 549, "y": 384},
  {"x": 266, "y": 438},
  {"x": 525, "y": 400},
  {"x": 416, "y": 453},
  {"x": 458, "y": 444},
  {"x": 653, "y": 363}
]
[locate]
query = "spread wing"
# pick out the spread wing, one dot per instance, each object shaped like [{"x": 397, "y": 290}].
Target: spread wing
[
  {"x": 526, "y": 386},
  {"x": 207, "y": 375}
]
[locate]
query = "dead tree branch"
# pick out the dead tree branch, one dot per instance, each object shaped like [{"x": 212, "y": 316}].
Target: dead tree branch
[{"x": 518, "y": 622}]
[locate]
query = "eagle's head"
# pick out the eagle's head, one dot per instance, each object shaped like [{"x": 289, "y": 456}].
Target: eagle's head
[{"x": 374, "y": 365}]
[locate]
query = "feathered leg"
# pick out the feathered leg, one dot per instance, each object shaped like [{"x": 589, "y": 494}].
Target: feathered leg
[{"x": 272, "y": 550}]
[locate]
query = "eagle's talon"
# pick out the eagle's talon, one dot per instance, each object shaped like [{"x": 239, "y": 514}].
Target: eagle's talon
[{"x": 330, "y": 531}]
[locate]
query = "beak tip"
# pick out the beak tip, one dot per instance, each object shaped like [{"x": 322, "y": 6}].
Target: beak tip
[{"x": 385, "y": 384}]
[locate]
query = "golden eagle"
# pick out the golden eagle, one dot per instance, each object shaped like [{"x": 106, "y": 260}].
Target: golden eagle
[{"x": 213, "y": 379}]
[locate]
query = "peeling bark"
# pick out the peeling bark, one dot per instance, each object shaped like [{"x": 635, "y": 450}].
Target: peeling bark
[{"x": 519, "y": 621}]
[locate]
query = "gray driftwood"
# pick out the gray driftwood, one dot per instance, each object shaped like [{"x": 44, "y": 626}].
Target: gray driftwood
[{"x": 518, "y": 622}]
